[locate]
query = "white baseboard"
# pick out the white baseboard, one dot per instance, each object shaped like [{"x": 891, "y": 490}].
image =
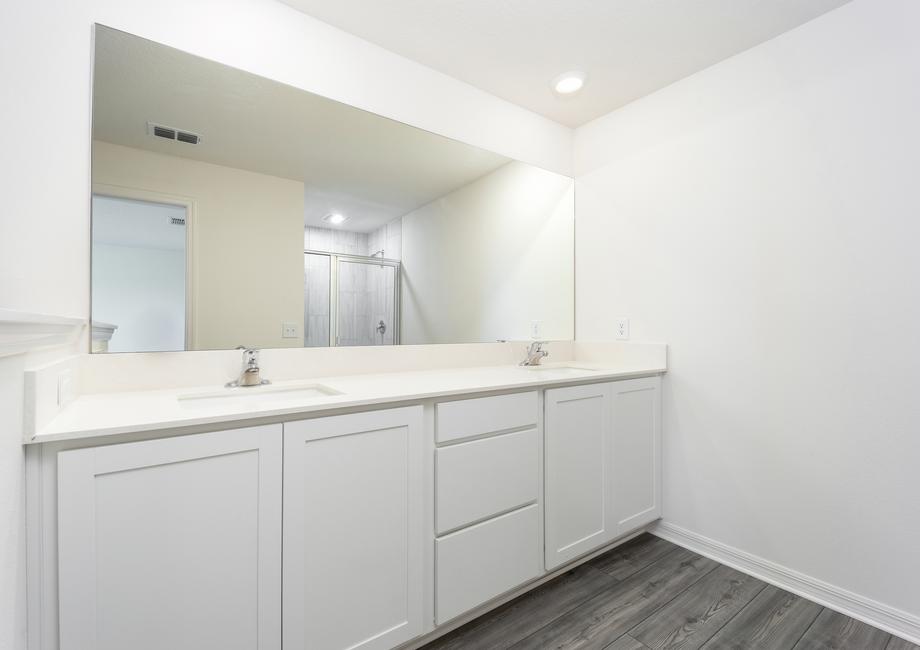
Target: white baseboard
[{"x": 895, "y": 621}]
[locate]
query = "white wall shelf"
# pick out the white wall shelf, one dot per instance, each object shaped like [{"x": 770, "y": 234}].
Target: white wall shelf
[{"x": 23, "y": 331}]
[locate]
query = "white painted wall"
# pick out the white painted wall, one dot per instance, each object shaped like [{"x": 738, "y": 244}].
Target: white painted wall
[
  {"x": 483, "y": 262},
  {"x": 761, "y": 218}
]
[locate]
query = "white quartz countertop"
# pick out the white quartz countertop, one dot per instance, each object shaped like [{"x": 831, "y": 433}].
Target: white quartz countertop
[{"x": 107, "y": 414}]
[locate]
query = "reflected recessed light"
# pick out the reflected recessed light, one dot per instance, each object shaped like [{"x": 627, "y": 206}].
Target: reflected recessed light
[
  {"x": 335, "y": 218},
  {"x": 568, "y": 83}
]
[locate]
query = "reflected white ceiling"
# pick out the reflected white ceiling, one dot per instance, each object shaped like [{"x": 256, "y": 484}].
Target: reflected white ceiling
[
  {"x": 515, "y": 48},
  {"x": 367, "y": 167}
]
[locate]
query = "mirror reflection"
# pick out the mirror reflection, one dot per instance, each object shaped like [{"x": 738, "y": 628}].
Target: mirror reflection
[{"x": 228, "y": 210}]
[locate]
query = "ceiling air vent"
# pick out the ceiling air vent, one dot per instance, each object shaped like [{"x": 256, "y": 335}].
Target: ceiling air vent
[
  {"x": 185, "y": 136},
  {"x": 170, "y": 133},
  {"x": 163, "y": 132},
  {"x": 177, "y": 221}
]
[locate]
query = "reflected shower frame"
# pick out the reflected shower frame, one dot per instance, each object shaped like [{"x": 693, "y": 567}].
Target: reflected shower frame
[{"x": 334, "y": 259}]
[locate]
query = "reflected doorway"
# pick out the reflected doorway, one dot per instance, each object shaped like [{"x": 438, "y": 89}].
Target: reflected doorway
[{"x": 138, "y": 275}]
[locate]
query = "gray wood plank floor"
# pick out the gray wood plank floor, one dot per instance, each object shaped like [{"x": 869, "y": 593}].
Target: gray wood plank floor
[{"x": 649, "y": 594}]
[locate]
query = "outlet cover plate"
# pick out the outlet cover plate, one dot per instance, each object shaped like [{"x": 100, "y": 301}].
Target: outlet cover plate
[{"x": 536, "y": 330}]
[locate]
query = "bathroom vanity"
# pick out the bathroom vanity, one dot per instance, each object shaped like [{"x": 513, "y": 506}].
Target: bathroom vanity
[
  {"x": 374, "y": 514},
  {"x": 174, "y": 503}
]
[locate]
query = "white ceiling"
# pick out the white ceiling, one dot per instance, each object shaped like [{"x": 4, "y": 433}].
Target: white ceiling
[
  {"x": 368, "y": 167},
  {"x": 515, "y": 48}
]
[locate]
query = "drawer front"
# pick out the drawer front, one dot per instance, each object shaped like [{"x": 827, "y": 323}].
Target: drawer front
[
  {"x": 482, "y": 478},
  {"x": 475, "y": 417},
  {"x": 479, "y": 563}
]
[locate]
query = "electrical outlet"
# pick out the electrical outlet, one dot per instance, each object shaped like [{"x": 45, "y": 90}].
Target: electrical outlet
[
  {"x": 536, "y": 330},
  {"x": 289, "y": 331},
  {"x": 621, "y": 327}
]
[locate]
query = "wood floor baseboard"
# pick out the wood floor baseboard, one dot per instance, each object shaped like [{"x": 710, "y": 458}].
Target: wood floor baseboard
[{"x": 894, "y": 621}]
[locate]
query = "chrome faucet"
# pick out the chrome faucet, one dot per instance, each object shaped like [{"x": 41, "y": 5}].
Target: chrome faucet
[
  {"x": 250, "y": 373},
  {"x": 535, "y": 353}
]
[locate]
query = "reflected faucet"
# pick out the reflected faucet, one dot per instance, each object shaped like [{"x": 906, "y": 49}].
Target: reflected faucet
[
  {"x": 250, "y": 373},
  {"x": 535, "y": 354}
]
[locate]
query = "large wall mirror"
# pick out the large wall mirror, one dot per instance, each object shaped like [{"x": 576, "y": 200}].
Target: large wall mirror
[{"x": 229, "y": 209}]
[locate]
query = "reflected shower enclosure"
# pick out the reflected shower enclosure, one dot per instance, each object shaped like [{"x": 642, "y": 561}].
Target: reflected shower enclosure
[{"x": 350, "y": 300}]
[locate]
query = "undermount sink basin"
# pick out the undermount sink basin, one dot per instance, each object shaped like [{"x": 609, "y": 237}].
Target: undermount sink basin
[
  {"x": 561, "y": 369},
  {"x": 257, "y": 395}
]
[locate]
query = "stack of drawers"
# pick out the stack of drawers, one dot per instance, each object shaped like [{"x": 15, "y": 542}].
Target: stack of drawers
[{"x": 488, "y": 522}]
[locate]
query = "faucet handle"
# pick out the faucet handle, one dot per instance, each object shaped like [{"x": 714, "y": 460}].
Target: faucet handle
[
  {"x": 535, "y": 352},
  {"x": 250, "y": 355},
  {"x": 250, "y": 373}
]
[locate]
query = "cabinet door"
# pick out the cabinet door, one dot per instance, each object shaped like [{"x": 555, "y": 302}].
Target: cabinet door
[
  {"x": 636, "y": 416},
  {"x": 353, "y": 532},
  {"x": 579, "y": 510},
  {"x": 172, "y": 543}
]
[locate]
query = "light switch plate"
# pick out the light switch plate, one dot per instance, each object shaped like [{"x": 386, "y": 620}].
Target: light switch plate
[
  {"x": 621, "y": 327},
  {"x": 289, "y": 331}
]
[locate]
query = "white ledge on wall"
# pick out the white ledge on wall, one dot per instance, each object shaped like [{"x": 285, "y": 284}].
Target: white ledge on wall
[
  {"x": 101, "y": 335},
  {"x": 22, "y": 331}
]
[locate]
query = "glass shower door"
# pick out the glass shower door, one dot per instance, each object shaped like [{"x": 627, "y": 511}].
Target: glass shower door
[{"x": 366, "y": 306}]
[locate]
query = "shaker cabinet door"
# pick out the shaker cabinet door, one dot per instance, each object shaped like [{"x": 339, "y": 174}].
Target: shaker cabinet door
[
  {"x": 636, "y": 418},
  {"x": 579, "y": 508},
  {"x": 353, "y": 532},
  {"x": 172, "y": 543},
  {"x": 603, "y": 464}
]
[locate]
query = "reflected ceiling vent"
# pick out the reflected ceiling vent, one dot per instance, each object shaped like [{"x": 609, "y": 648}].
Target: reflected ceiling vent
[
  {"x": 171, "y": 133},
  {"x": 177, "y": 221}
]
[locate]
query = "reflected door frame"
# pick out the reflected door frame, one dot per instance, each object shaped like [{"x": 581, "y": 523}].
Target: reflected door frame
[
  {"x": 334, "y": 259},
  {"x": 191, "y": 268}
]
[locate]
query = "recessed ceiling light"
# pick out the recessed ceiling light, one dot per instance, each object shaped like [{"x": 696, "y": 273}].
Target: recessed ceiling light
[
  {"x": 335, "y": 218},
  {"x": 569, "y": 83}
]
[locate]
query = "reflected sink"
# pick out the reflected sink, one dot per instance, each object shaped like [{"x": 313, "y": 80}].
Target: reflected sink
[{"x": 257, "y": 395}]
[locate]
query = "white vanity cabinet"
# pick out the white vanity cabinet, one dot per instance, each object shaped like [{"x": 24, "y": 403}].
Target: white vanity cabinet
[
  {"x": 172, "y": 543},
  {"x": 603, "y": 457},
  {"x": 353, "y": 530},
  {"x": 358, "y": 531}
]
